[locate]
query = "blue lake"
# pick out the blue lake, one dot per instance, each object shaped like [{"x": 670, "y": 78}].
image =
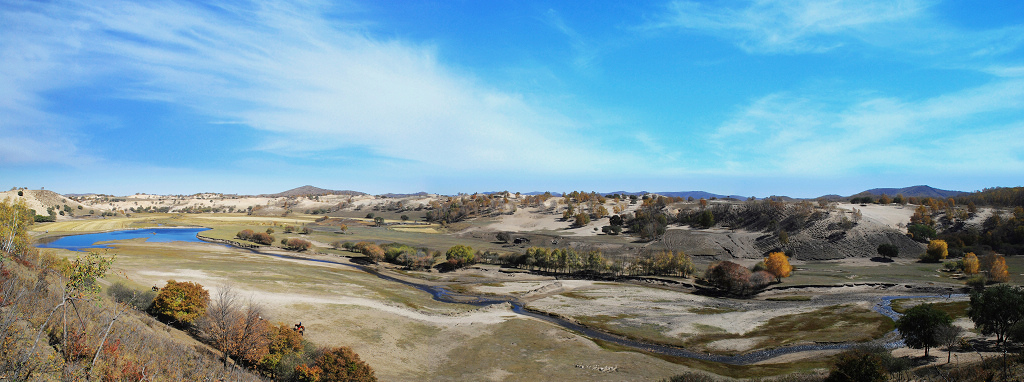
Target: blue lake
[{"x": 89, "y": 240}]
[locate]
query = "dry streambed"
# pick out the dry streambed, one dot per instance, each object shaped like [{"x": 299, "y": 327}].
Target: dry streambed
[{"x": 705, "y": 324}]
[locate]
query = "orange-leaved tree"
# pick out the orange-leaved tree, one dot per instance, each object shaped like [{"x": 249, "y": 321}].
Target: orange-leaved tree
[
  {"x": 337, "y": 364},
  {"x": 372, "y": 251},
  {"x": 778, "y": 264},
  {"x": 181, "y": 302},
  {"x": 970, "y": 263}
]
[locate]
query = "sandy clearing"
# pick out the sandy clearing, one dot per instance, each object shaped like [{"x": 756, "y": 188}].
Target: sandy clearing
[
  {"x": 525, "y": 220},
  {"x": 891, "y": 215},
  {"x": 191, "y": 274},
  {"x": 735, "y": 344}
]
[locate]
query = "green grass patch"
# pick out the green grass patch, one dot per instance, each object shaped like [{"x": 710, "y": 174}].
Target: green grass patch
[
  {"x": 578, "y": 296},
  {"x": 789, "y": 298},
  {"x": 838, "y": 323},
  {"x": 749, "y": 371},
  {"x": 731, "y": 371},
  {"x": 704, "y": 328},
  {"x": 955, "y": 309},
  {"x": 712, "y": 310}
]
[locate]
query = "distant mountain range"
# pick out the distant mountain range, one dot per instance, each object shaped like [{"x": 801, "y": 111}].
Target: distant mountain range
[
  {"x": 308, "y": 190},
  {"x": 915, "y": 191}
]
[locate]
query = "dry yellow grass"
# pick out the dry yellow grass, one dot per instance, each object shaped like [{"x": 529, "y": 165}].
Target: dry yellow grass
[{"x": 93, "y": 225}]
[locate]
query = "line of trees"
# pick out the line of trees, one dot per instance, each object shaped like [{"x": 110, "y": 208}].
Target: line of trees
[
  {"x": 255, "y": 237},
  {"x": 568, "y": 260}
]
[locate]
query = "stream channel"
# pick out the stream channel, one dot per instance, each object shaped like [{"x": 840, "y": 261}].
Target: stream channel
[{"x": 440, "y": 293}]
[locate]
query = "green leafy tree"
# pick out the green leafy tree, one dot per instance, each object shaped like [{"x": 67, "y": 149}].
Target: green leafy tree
[
  {"x": 15, "y": 217},
  {"x": 921, "y": 232},
  {"x": 919, "y": 326},
  {"x": 460, "y": 255},
  {"x": 995, "y": 310},
  {"x": 888, "y": 250},
  {"x": 181, "y": 302}
]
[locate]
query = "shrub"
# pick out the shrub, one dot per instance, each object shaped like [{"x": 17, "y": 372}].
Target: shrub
[
  {"x": 297, "y": 244},
  {"x": 343, "y": 364},
  {"x": 181, "y": 302},
  {"x": 582, "y": 220},
  {"x": 262, "y": 238},
  {"x": 141, "y": 300},
  {"x": 976, "y": 281},
  {"x": 857, "y": 366},
  {"x": 503, "y": 237}
]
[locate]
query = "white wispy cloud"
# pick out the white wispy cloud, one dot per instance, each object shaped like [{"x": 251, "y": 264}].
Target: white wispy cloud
[
  {"x": 312, "y": 83},
  {"x": 769, "y": 26},
  {"x": 793, "y": 134}
]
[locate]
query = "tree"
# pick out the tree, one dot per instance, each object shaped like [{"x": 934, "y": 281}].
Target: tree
[
  {"x": 949, "y": 336},
  {"x": 996, "y": 309},
  {"x": 14, "y": 219},
  {"x": 235, "y": 330},
  {"x": 337, "y": 364},
  {"x": 970, "y": 263},
  {"x": 460, "y": 255},
  {"x": 888, "y": 250},
  {"x": 936, "y": 252},
  {"x": 995, "y": 266},
  {"x": 181, "y": 302},
  {"x": 504, "y": 237},
  {"x": 784, "y": 237},
  {"x": 372, "y": 251},
  {"x": 919, "y": 326},
  {"x": 270, "y": 231},
  {"x": 582, "y": 220},
  {"x": 857, "y": 366},
  {"x": 778, "y": 265},
  {"x": 730, "y": 277},
  {"x": 404, "y": 218},
  {"x": 296, "y": 244},
  {"x": 921, "y": 232},
  {"x": 283, "y": 340}
]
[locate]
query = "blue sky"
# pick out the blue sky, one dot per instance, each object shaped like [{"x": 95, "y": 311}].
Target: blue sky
[{"x": 799, "y": 98}]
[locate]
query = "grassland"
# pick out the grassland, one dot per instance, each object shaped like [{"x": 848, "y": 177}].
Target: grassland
[{"x": 407, "y": 335}]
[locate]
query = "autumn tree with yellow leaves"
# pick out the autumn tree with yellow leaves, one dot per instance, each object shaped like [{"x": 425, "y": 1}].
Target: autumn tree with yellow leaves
[
  {"x": 778, "y": 264},
  {"x": 970, "y": 263},
  {"x": 936, "y": 252},
  {"x": 995, "y": 266}
]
